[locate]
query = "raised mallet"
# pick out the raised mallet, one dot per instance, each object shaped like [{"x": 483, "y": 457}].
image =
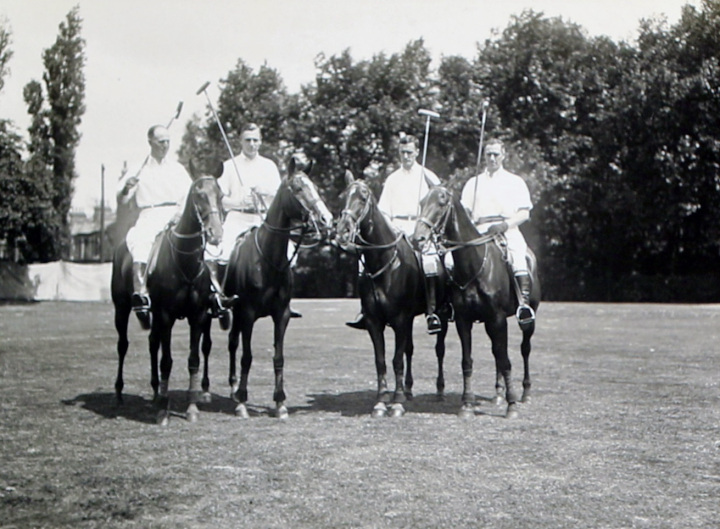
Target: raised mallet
[
  {"x": 203, "y": 89},
  {"x": 176, "y": 115},
  {"x": 428, "y": 114},
  {"x": 485, "y": 106}
]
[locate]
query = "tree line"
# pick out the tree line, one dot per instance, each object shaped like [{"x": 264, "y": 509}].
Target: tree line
[{"x": 618, "y": 142}]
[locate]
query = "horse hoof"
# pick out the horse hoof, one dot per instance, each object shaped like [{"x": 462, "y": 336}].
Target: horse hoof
[
  {"x": 498, "y": 400},
  {"x": 397, "y": 410},
  {"x": 241, "y": 411},
  {"x": 162, "y": 418},
  {"x": 380, "y": 410},
  {"x": 205, "y": 397},
  {"x": 440, "y": 397},
  {"x": 512, "y": 412},
  {"x": 466, "y": 412},
  {"x": 526, "y": 399},
  {"x": 192, "y": 414},
  {"x": 282, "y": 412},
  {"x": 409, "y": 395}
]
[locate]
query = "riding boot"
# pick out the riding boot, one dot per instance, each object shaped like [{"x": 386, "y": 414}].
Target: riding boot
[
  {"x": 525, "y": 313},
  {"x": 140, "y": 299},
  {"x": 220, "y": 304},
  {"x": 433, "y": 321},
  {"x": 359, "y": 322}
]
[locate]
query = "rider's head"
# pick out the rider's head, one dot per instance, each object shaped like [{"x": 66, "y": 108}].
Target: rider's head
[
  {"x": 251, "y": 139},
  {"x": 494, "y": 155},
  {"x": 159, "y": 139},
  {"x": 407, "y": 150}
]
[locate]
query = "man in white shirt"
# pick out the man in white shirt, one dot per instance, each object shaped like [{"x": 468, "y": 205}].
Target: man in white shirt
[
  {"x": 245, "y": 201},
  {"x": 499, "y": 202},
  {"x": 159, "y": 188},
  {"x": 399, "y": 201}
]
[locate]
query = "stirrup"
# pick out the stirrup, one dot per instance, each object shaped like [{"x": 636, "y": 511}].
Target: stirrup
[
  {"x": 527, "y": 319},
  {"x": 433, "y": 324}
]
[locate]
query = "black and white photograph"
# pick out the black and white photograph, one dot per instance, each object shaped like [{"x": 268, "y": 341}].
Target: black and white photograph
[{"x": 378, "y": 264}]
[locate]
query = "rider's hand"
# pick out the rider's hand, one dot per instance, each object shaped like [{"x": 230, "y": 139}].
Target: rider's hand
[{"x": 497, "y": 229}]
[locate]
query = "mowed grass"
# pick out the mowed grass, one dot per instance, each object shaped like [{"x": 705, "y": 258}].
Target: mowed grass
[{"x": 623, "y": 430}]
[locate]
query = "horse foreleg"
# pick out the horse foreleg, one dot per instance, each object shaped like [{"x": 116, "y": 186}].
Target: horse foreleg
[
  {"x": 206, "y": 397},
  {"x": 401, "y": 343},
  {"x": 121, "y": 325},
  {"x": 281, "y": 323},
  {"x": 192, "y": 413},
  {"x": 241, "y": 396},
  {"x": 166, "y": 363},
  {"x": 464, "y": 328},
  {"x": 440, "y": 355},
  {"x": 376, "y": 330},
  {"x": 233, "y": 342},
  {"x": 525, "y": 348},
  {"x": 409, "y": 350},
  {"x": 498, "y": 333}
]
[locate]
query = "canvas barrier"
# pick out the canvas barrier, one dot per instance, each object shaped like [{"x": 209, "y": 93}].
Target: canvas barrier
[{"x": 56, "y": 281}]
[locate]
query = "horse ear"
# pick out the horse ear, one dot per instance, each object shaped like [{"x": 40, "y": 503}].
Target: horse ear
[
  {"x": 218, "y": 170},
  {"x": 349, "y": 178},
  {"x": 192, "y": 171},
  {"x": 429, "y": 182}
]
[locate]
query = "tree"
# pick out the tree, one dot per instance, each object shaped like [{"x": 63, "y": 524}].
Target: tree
[
  {"x": 54, "y": 132},
  {"x": 6, "y": 52}
]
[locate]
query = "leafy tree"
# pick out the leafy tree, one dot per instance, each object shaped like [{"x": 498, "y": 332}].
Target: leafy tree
[
  {"x": 6, "y": 52},
  {"x": 54, "y": 132}
]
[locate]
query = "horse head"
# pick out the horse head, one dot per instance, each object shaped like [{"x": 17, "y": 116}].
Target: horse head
[
  {"x": 435, "y": 211},
  {"x": 358, "y": 202},
  {"x": 310, "y": 206},
  {"x": 206, "y": 197}
]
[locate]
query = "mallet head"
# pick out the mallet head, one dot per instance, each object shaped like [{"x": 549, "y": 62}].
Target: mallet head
[
  {"x": 202, "y": 88},
  {"x": 428, "y": 113}
]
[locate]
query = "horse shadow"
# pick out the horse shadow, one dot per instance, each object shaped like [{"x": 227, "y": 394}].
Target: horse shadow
[
  {"x": 140, "y": 409},
  {"x": 360, "y": 403}
]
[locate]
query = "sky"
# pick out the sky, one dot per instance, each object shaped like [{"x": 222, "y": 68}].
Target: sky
[{"x": 143, "y": 57}]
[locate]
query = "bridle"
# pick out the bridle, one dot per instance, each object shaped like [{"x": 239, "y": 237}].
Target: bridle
[
  {"x": 444, "y": 245},
  {"x": 174, "y": 238},
  {"x": 359, "y": 245},
  {"x": 309, "y": 222}
]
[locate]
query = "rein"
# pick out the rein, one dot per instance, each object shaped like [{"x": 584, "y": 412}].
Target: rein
[
  {"x": 363, "y": 245},
  {"x": 445, "y": 245},
  {"x": 307, "y": 222},
  {"x": 171, "y": 235}
]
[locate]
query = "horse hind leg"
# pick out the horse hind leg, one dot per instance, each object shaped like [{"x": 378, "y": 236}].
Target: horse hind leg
[{"x": 122, "y": 315}]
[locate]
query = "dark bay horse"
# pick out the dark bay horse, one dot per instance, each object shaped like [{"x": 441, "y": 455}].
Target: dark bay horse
[
  {"x": 259, "y": 274},
  {"x": 179, "y": 287},
  {"x": 392, "y": 291},
  {"x": 482, "y": 290}
]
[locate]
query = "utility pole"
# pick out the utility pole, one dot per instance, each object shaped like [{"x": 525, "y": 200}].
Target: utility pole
[{"x": 102, "y": 210}]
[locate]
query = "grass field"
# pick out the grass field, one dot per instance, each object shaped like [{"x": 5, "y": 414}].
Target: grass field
[{"x": 623, "y": 431}]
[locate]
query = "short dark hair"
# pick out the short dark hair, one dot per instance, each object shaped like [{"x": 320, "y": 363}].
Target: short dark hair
[
  {"x": 250, "y": 127},
  {"x": 495, "y": 141},
  {"x": 408, "y": 138}
]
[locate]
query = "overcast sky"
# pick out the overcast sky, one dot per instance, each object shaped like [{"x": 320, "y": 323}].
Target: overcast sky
[{"x": 145, "y": 56}]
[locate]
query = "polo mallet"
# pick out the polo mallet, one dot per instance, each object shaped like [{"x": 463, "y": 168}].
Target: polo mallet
[
  {"x": 177, "y": 114},
  {"x": 203, "y": 88},
  {"x": 428, "y": 114},
  {"x": 485, "y": 106}
]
